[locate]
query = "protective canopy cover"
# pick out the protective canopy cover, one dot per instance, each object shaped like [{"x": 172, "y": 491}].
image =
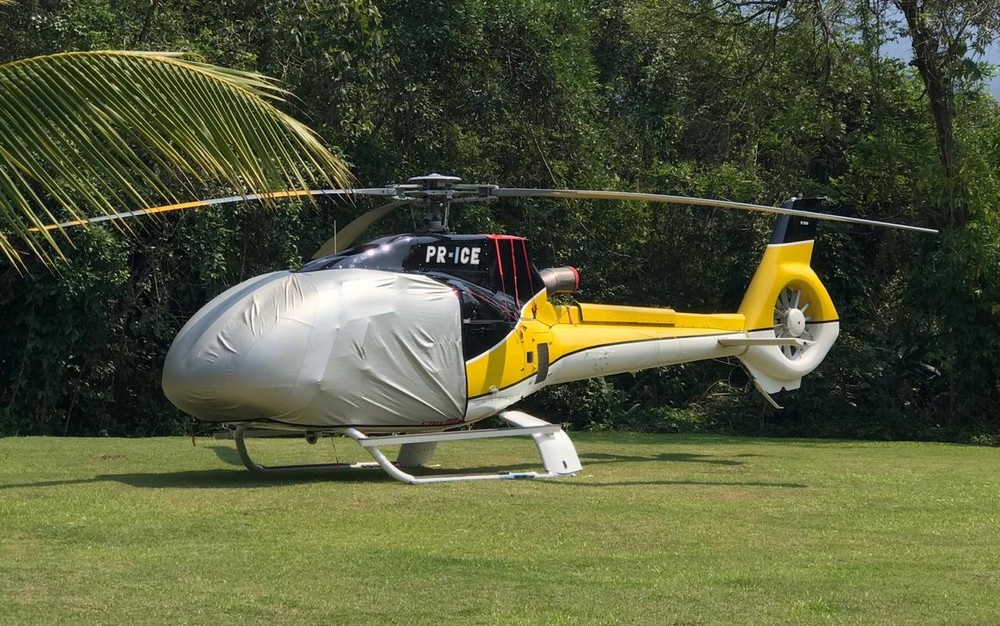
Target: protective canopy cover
[{"x": 346, "y": 347}]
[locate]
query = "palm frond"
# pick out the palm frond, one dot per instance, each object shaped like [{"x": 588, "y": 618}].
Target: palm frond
[{"x": 87, "y": 133}]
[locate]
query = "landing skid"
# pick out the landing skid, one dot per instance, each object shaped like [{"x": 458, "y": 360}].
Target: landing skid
[
  {"x": 243, "y": 431},
  {"x": 557, "y": 452}
]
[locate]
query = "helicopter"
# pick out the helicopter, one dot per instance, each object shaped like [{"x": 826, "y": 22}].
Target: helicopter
[{"x": 408, "y": 339}]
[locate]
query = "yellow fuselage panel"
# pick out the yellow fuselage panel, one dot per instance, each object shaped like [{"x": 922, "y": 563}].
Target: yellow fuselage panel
[
  {"x": 584, "y": 340},
  {"x": 785, "y": 265},
  {"x": 571, "y": 329}
]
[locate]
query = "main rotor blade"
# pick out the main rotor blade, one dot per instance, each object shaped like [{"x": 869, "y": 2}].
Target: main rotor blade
[
  {"x": 350, "y": 233},
  {"x": 513, "y": 192},
  {"x": 250, "y": 197}
]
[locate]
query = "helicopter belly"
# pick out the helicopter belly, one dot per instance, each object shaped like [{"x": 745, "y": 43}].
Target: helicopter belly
[{"x": 347, "y": 347}]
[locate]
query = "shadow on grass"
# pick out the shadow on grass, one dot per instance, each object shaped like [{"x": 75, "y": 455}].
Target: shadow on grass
[
  {"x": 595, "y": 458},
  {"x": 689, "y": 483},
  {"x": 243, "y": 478},
  {"x": 676, "y": 457},
  {"x": 220, "y": 479},
  {"x": 236, "y": 479},
  {"x": 226, "y": 454}
]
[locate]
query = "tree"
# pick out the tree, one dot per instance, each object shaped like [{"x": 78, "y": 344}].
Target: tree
[
  {"x": 941, "y": 33},
  {"x": 99, "y": 132}
]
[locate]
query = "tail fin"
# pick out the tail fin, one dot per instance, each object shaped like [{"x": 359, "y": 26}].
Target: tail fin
[{"x": 787, "y": 301}]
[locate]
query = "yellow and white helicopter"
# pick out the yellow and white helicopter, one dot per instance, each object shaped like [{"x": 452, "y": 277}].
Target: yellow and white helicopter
[{"x": 408, "y": 338}]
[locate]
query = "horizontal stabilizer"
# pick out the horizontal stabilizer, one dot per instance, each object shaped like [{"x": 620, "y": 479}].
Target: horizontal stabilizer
[{"x": 765, "y": 341}]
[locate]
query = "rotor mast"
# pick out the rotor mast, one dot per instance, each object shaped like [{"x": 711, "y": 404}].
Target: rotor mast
[{"x": 437, "y": 190}]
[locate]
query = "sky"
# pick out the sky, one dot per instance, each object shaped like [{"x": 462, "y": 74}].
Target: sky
[
  {"x": 900, "y": 49},
  {"x": 993, "y": 58}
]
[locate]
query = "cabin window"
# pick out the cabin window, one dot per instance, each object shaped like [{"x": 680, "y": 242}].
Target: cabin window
[{"x": 484, "y": 323}]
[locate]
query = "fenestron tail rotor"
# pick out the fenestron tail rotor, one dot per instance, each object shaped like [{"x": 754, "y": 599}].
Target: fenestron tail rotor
[{"x": 792, "y": 320}]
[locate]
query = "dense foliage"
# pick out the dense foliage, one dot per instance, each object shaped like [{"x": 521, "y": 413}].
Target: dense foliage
[{"x": 670, "y": 96}]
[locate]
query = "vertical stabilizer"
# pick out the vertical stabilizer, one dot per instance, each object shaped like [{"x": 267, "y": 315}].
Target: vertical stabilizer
[{"x": 786, "y": 300}]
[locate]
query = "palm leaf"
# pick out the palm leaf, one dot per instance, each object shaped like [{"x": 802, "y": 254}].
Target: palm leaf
[{"x": 87, "y": 133}]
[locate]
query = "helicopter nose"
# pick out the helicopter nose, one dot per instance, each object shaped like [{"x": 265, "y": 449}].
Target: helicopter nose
[
  {"x": 225, "y": 356},
  {"x": 322, "y": 349}
]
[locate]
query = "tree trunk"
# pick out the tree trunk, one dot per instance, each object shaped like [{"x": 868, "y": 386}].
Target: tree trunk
[
  {"x": 147, "y": 24},
  {"x": 931, "y": 63}
]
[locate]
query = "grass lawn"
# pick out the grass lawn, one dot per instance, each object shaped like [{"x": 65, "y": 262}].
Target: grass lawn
[{"x": 656, "y": 530}]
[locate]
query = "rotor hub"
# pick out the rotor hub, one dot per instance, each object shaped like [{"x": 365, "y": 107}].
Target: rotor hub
[
  {"x": 435, "y": 181},
  {"x": 795, "y": 322}
]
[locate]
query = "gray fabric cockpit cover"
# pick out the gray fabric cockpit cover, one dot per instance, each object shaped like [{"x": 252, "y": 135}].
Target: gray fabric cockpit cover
[{"x": 346, "y": 347}]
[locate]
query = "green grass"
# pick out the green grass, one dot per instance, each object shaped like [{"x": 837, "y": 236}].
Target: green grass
[{"x": 656, "y": 530}]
